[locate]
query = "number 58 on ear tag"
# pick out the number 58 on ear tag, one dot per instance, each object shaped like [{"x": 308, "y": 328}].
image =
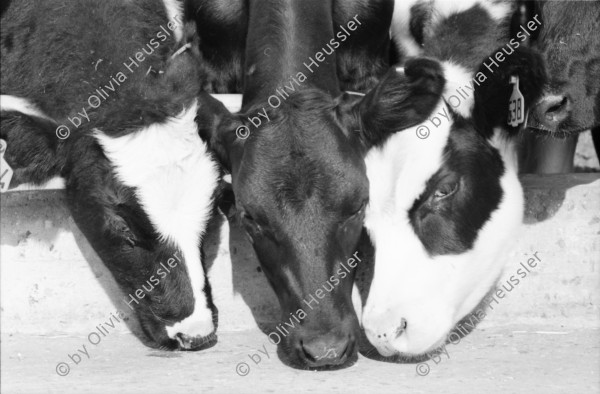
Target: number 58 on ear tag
[
  {"x": 6, "y": 172},
  {"x": 516, "y": 104}
]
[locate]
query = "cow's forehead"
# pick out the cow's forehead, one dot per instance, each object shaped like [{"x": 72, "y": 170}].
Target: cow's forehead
[{"x": 300, "y": 166}]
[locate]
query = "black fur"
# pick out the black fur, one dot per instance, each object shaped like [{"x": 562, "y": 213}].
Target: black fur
[
  {"x": 4, "y": 6},
  {"x": 221, "y": 27},
  {"x": 401, "y": 101},
  {"x": 363, "y": 58},
  {"x": 61, "y": 84},
  {"x": 33, "y": 156},
  {"x": 471, "y": 171}
]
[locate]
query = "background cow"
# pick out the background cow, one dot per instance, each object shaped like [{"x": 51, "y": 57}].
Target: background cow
[
  {"x": 567, "y": 38},
  {"x": 569, "y": 42}
]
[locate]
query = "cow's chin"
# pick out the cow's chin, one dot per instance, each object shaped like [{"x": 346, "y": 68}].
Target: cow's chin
[
  {"x": 423, "y": 307},
  {"x": 412, "y": 349}
]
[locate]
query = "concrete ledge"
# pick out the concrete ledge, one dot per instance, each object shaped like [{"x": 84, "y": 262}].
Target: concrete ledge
[{"x": 52, "y": 282}]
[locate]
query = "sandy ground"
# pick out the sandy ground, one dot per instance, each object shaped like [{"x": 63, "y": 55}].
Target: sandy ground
[{"x": 511, "y": 359}]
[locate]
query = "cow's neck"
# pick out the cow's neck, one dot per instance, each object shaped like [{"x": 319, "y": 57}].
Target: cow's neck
[{"x": 283, "y": 35}]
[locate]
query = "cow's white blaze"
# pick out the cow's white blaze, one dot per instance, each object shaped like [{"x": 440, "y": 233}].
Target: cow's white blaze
[
  {"x": 175, "y": 177},
  {"x": 18, "y": 104},
  {"x": 459, "y": 90},
  {"x": 431, "y": 294}
]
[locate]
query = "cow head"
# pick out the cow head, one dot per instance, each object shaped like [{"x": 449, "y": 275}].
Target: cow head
[
  {"x": 569, "y": 42},
  {"x": 445, "y": 201},
  {"x": 301, "y": 192},
  {"x": 149, "y": 236},
  {"x": 140, "y": 182}
]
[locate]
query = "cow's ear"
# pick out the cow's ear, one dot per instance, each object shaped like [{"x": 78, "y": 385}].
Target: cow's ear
[
  {"x": 223, "y": 131},
  {"x": 33, "y": 148},
  {"x": 492, "y": 95},
  {"x": 402, "y": 99}
]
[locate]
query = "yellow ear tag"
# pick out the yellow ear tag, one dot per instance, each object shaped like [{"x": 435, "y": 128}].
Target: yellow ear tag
[{"x": 6, "y": 172}]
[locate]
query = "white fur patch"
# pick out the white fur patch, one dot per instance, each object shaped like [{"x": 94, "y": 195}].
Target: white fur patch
[
  {"x": 459, "y": 90},
  {"x": 175, "y": 13},
  {"x": 233, "y": 102},
  {"x": 431, "y": 293},
  {"x": 356, "y": 301},
  {"x": 445, "y": 8},
  {"x": 400, "y": 28},
  {"x": 17, "y": 104},
  {"x": 442, "y": 9},
  {"x": 175, "y": 178}
]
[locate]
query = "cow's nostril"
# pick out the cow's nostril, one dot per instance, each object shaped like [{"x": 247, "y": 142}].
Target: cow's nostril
[
  {"x": 553, "y": 109},
  {"x": 549, "y": 113},
  {"x": 329, "y": 350}
]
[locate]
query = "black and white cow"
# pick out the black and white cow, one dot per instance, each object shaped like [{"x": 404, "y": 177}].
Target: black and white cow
[
  {"x": 298, "y": 173},
  {"x": 445, "y": 199},
  {"x": 105, "y": 94},
  {"x": 569, "y": 41}
]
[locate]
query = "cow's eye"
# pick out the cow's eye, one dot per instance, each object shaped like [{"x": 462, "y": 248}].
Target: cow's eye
[
  {"x": 445, "y": 189},
  {"x": 250, "y": 224},
  {"x": 358, "y": 212}
]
